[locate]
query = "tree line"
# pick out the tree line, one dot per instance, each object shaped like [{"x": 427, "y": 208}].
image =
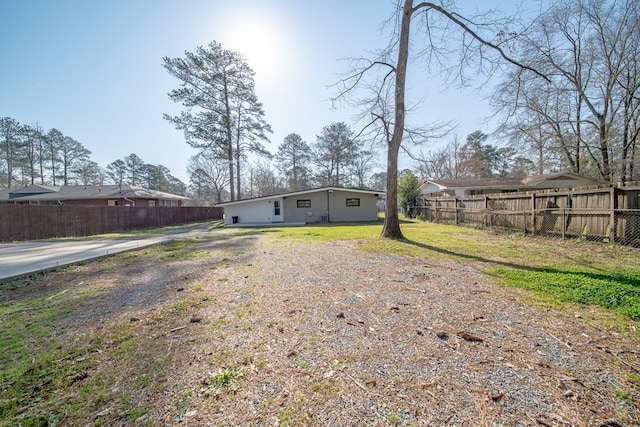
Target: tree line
[
  {"x": 335, "y": 158},
  {"x": 474, "y": 159},
  {"x": 32, "y": 155}
]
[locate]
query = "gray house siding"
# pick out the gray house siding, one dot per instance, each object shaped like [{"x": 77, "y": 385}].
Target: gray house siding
[
  {"x": 331, "y": 204},
  {"x": 323, "y": 205},
  {"x": 313, "y": 213},
  {"x": 340, "y": 211}
]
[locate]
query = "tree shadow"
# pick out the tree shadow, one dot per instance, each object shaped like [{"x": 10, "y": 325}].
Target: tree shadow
[
  {"x": 614, "y": 291},
  {"x": 476, "y": 258},
  {"x": 629, "y": 280}
]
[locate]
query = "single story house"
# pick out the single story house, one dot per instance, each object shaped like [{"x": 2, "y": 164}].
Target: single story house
[
  {"x": 327, "y": 204},
  {"x": 473, "y": 187},
  {"x": 95, "y": 195}
]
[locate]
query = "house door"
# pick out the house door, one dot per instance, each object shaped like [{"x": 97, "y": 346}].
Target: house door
[{"x": 277, "y": 211}]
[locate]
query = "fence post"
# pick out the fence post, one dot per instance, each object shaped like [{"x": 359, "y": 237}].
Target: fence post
[
  {"x": 486, "y": 210},
  {"x": 564, "y": 222},
  {"x": 455, "y": 210},
  {"x": 613, "y": 203},
  {"x": 435, "y": 210},
  {"x": 533, "y": 213}
]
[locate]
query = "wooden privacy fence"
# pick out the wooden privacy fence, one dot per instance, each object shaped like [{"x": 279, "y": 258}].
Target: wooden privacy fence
[
  {"x": 609, "y": 214},
  {"x": 28, "y": 222}
]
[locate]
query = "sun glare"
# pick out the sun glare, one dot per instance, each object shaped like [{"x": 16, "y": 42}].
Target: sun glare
[{"x": 264, "y": 44}]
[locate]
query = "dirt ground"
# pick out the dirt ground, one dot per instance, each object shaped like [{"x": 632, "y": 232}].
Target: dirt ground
[{"x": 326, "y": 334}]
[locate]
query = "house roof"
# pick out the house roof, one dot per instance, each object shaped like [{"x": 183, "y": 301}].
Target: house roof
[
  {"x": 84, "y": 192},
  {"x": 471, "y": 183},
  {"x": 551, "y": 180},
  {"x": 301, "y": 192}
]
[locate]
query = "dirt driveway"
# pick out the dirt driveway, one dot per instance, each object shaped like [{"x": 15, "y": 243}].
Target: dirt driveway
[{"x": 326, "y": 334}]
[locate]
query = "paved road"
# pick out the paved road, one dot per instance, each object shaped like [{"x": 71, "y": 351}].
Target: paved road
[{"x": 22, "y": 259}]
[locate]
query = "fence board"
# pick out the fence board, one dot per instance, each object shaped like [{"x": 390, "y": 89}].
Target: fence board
[
  {"x": 598, "y": 213},
  {"x": 28, "y": 222}
]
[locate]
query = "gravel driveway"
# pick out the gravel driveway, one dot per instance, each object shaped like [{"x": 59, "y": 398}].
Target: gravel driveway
[{"x": 338, "y": 336}]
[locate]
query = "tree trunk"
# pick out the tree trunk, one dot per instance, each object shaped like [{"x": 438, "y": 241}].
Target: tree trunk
[
  {"x": 391, "y": 221},
  {"x": 576, "y": 165},
  {"x": 237, "y": 155},
  {"x": 229, "y": 141}
]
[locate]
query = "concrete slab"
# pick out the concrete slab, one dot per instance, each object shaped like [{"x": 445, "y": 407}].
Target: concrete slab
[{"x": 23, "y": 259}]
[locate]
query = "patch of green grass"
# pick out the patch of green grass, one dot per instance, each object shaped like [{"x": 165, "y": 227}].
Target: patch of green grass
[
  {"x": 295, "y": 415},
  {"x": 425, "y": 239},
  {"x": 220, "y": 379},
  {"x": 179, "y": 308},
  {"x": 394, "y": 419},
  {"x": 181, "y": 249},
  {"x": 624, "y": 395},
  {"x": 616, "y": 292},
  {"x": 313, "y": 233},
  {"x": 32, "y": 365},
  {"x": 137, "y": 412},
  {"x": 244, "y": 312}
]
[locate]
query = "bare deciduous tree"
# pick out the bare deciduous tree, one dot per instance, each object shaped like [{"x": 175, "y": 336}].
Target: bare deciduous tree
[
  {"x": 208, "y": 173},
  {"x": 588, "y": 53},
  {"x": 440, "y": 25}
]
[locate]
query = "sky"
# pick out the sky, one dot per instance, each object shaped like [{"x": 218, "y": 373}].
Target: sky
[{"x": 93, "y": 69}]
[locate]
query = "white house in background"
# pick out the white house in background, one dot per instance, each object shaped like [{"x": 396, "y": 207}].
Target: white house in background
[
  {"x": 473, "y": 187},
  {"x": 328, "y": 204}
]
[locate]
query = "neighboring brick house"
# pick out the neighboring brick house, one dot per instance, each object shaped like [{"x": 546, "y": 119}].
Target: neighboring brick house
[{"x": 94, "y": 195}]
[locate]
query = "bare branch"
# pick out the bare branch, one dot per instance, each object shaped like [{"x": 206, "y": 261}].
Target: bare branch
[{"x": 455, "y": 18}]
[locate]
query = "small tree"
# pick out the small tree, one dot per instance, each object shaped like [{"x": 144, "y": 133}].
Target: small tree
[{"x": 408, "y": 192}]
